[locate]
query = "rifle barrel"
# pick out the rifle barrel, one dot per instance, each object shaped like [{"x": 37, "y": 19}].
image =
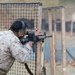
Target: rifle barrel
[{"x": 48, "y": 36}]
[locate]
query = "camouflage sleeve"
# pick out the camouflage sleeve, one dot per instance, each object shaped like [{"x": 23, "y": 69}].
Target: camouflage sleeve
[{"x": 19, "y": 53}]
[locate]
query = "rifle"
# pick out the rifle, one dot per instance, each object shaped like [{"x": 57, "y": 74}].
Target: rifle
[
  {"x": 32, "y": 37},
  {"x": 35, "y": 38}
]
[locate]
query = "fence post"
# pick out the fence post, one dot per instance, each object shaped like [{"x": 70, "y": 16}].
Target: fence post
[
  {"x": 63, "y": 44},
  {"x": 38, "y": 66},
  {"x": 52, "y": 70},
  {"x": 53, "y": 53},
  {"x": 55, "y": 29}
]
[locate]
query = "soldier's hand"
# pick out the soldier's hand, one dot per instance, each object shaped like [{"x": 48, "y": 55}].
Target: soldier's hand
[{"x": 37, "y": 32}]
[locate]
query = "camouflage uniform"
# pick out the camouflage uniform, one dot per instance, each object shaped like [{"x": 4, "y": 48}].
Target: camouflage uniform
[{"x": 11, "y": 49}]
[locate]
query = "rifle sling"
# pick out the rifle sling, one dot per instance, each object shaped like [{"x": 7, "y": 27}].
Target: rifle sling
[{"x": 29, "y": 71}]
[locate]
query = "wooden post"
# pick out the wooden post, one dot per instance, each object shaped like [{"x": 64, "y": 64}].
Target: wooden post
[
  {"x": 50, "y": 31},
  {"x": 52, "y": 70},
  {"x": 53, "y": 53},
  {"x": 55, "y": 30},
  {"x": 38, "y": 66},
  {"x": 63, "y": 44}
]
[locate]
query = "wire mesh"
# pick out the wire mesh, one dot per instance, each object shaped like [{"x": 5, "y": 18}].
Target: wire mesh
[{"x": 27, "y": 12}]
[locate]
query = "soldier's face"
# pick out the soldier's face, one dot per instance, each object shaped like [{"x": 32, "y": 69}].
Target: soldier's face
[{"x": 22, "y": 32}]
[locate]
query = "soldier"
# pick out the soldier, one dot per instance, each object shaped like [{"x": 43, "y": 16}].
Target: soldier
[{"x": 11, "y": 48}]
